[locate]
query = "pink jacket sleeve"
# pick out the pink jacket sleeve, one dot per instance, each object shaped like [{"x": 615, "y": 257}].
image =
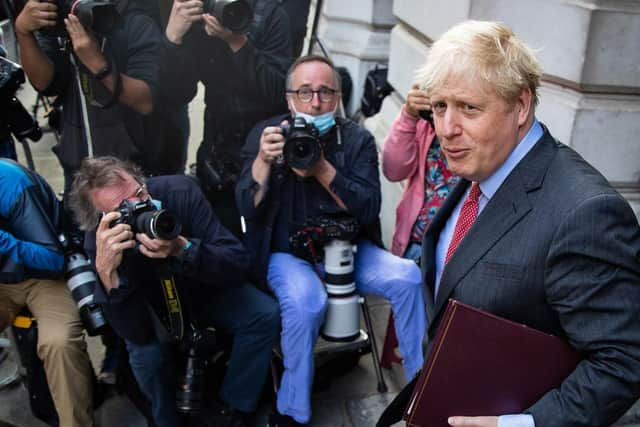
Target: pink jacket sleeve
[{"x": 400, "y": 153}]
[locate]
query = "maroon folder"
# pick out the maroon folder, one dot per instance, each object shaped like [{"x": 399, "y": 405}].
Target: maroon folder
[{"x": 481, "y": 364}]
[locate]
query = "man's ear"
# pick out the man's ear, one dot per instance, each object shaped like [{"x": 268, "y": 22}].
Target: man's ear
[
  {"x": 290, "y": 106},
  {"x": 524, "y": 105}
]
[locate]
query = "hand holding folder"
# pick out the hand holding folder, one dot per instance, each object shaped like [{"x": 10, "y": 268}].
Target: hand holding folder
[{"x": 480, "y": 364}]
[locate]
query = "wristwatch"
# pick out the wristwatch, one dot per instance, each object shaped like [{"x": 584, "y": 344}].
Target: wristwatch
[{"x": 104, "y": 72}]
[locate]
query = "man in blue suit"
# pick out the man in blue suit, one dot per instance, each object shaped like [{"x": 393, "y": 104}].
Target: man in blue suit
[{"x": 532, "y": 233}]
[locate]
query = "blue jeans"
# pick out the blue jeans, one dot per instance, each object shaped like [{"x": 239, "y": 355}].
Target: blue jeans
[
  {"x": 303, "y": 302},
  {"x": 252, "y": 317}
]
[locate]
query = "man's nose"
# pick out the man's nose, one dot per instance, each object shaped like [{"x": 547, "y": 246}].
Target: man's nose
[
  {"x": 315, "y": 100},
  {"x": 448, "y": 124}
]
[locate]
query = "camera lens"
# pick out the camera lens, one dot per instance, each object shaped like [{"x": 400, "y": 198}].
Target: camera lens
[
  {"x": 190, "y": 388},
  {"x": 81, "y": 281},
  {"x": 235, "y": 15},
  {"x": 162, "y": 224},
  {"x": 301, "y": 151},
  {"x": 99, "y": 15}
]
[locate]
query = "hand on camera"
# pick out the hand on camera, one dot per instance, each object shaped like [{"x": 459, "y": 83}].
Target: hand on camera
[
  {"x": 85, "y": 45},
  {"x": 183, "y": 14},
  {"x": 111, "y": 242},
  {"x": 271, "y": 144},
  {"x": 214, "y": 28},
  {"x": 417, "y": 100},
  {"x": 36, "y": 15},
  {"x": 160, "y": 249}
]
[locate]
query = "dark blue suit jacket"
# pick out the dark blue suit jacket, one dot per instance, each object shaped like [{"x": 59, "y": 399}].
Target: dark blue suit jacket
[{"x": 558, "y": 249}]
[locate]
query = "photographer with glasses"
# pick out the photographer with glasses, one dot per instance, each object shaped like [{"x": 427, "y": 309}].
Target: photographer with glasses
[
  {"x": 282, "y": 185},
  {"x": 242, "y": 68},
  {"x": 205, "y": 261}
]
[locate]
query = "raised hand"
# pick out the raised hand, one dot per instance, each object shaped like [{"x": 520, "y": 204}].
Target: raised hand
[
  {"x": 36, "y": 15},
  {"x": 417, "y": 100},
  {"x": 183, "y": 14}
]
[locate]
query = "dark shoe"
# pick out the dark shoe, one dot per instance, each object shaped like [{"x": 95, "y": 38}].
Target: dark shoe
[
  {"x": 276, "y": 419},
  {"x": 221, "y": 417},
  {"x": 233, "y": 418}
]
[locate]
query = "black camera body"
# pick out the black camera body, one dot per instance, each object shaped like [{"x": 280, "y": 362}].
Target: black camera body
[
  {"x": 99, "y": 16},
  {"x": 13, "y": 116},
  {"x": 144, "y": 217},
  {"x": 319, "y": 231},
  {"x": 302, "y": 147},
  {"x": 235, "y": 15}
]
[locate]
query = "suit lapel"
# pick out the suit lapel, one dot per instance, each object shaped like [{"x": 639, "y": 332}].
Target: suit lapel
[
  {"x": 505, "y": 209},
  {"x": 430, "y": 240}
]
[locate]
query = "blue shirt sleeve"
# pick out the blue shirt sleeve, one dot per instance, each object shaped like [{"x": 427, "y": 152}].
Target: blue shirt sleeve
[
  {"x": 518, "y": 420},
  {"x": 30, "y": 254}
]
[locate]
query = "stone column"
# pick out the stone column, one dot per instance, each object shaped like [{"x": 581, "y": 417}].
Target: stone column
[
  {"x": 590, "y": 94},
  {"x": 356, "y": 36}
]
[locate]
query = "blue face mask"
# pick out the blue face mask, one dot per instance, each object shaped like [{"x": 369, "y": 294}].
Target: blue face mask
[
  {"x": 323, "y": 122},
  {"x": 157, "y": 203}
]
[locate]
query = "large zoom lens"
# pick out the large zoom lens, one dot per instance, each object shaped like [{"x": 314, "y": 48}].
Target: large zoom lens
[
  {"x": 190, "y": 388},
  {"x": 190, "y": 393},
  {"x": 19, "y": 122},
  {"x": 342, "y": 322},
  {"x": 235, "y": 15},
  {"x": 81, "y": 281},
  {"x": 160, "y": 224}
]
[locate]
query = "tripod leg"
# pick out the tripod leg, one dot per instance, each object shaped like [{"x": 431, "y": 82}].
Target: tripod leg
[
  {"x": 382, "y": 386},
  {"x": 27, "y": 153}
]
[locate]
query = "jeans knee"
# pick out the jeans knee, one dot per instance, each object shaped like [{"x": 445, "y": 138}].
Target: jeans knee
[
  {"x": 268, "y": 322},
  {"x": 312, "y": 312}
]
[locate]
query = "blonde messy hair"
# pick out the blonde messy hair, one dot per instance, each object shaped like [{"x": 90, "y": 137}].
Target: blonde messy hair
[
  {"x": 95, "y": 173},
  {"x": 483, "y": 51}
]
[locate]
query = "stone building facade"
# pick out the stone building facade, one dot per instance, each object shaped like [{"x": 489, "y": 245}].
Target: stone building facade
[{"x": 590, "y": 51}]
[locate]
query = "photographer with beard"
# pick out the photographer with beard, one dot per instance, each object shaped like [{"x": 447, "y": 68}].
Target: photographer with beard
[
  {"x": 118, "y": 72},
  {"x": 276, "y": 200},
  {"x": 243, "y": 73},
  {"x": 208, "y": 266}
]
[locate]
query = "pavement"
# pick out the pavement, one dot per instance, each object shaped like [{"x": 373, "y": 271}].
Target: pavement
[{"x": 350, "y": 400}]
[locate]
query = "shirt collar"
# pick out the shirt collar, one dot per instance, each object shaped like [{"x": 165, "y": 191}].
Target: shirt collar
[{"x": 490, "y": 185}]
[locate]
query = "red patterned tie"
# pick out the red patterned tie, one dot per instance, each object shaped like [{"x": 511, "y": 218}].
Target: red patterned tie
[{"x": 467, "y": 217}]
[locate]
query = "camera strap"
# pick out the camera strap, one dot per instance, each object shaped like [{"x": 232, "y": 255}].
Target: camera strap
[
  {"x": 173, "y": 306},
  {"x": 83, "y": 107},
  {"x": 166, "y": 310}
]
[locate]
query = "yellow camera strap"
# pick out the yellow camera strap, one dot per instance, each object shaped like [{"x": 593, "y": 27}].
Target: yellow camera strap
[{"x": 174, "y": 308}]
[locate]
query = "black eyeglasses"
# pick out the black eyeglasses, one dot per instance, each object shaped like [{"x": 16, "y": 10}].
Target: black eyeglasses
[{"x": 305, "y": 94}]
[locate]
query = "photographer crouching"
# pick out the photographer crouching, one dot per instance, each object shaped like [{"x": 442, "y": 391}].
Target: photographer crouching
[
  {"x": 307, "y": 165},
  {"x": 31, "y": 274},
  {"x": 203, "y": 264}
]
